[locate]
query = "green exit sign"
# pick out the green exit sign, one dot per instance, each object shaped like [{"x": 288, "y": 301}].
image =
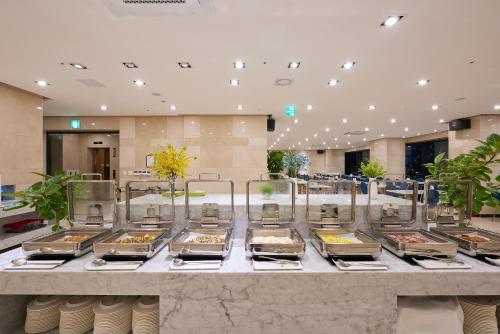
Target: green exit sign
[
  {"x": 74, "y": 124},
  {"x": 290, "y": 111}
]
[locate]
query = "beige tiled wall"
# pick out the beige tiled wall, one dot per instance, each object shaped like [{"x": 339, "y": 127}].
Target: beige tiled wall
[
  {"x": 332, "y": 161},
  {"x": 21, "y": 143},
  {"x": 390, "y": 152},
  {"x": 233, "y": 146}
]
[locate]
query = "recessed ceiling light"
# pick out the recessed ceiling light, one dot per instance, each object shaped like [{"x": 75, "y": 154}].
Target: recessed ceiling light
[
  {"x": 293, "y": 146},
  {"x": 367, "y": 129},
  {"x": 39, "y": 108},
  {"x": 344, "y": 120},
  {"x": 239, "y": 65},
  {"x": 406, "y": 129},
  {"x": 239, "y": 107},
  {"x": 335, "y": 139},
  {"x": 294, "y": 64},
  {"x": 296, "y": 120},
  {"x": 418, "y": 133},
  {"x": 371, "y": 107},
  {"x": 327, "y": 129},
  {"x": 315, "y": 135},
  {"x": 129, "y": 65},
  {"x": 348, "y": 143},
  {"x": 435, "y": 107},
  {"x": 78, "y": 66},
  {"x": 324, "y": 143},
  {"x": 282, "y": 135},
  {"x": 333, "y": 82},
  {"x": 435, "y": 130},
  {"x": 278, "y": 139},
  {"x": 441, "y": 121},
  {"x": 391, "y": 20},
  {"x": 299, "y": 143},
  {"x": 423, "y": 82},
  {"x": 104, "y": 107},
  {"x": 184, "y": 64},
  {"x": 309, "y": 107},
  {"x": 173, "y": 107},
  {"x": 93, "y": 123},
  {"x": 381, "y": 135},
  {"x": 393, "y": 120},
  {"x": 328, "y": 147},
  {"x": 348, "y": 65},
  {"x": 307, "y": 139},
  {"x": 309, "y": 147},
  {"x": 42, "y": 83},
  {"x": 336, "y": 146},
  {"x": 497, "y": 107},
  {"x": 364, "y": 139},
  {"x": 234, "y": 82},
  {"x": 139, "y": 82},
  {"x": 287, "y": 129}
]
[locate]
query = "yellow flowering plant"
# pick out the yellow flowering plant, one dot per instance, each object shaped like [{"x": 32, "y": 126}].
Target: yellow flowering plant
[{"x": 169, "y": 163}]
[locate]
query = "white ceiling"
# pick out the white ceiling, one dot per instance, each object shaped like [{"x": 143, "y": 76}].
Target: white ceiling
[{"x": 436, "y": 40}]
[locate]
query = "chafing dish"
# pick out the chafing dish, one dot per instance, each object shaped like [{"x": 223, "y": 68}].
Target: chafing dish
[
  {"x": 276, "y": 242},
  {"x": 150, "y": 203},
  {"x": 452, "y": 222},
  {"x": 393, "y": 219},
  {"x": 216, "y": 207},
  {"x": 139, "y": 242},
  {"x": 68, "y": 243},
  {"x": 344, "y": 243},
  {"x": 413, "y": 242},
  {"x": 92, "y": 203},
  {"x": 270, "y": 202},
  {"x": 201, "y": 242}
]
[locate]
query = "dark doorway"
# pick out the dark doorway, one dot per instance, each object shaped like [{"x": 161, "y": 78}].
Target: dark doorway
[
  {"x": 100, "y": 161},
  {"x": 353, "y": 161}
]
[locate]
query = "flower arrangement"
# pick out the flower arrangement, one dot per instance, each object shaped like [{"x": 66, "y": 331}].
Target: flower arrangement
[
  {"x": 294, "y": 162},
  {"x": 169, "y": 163}
]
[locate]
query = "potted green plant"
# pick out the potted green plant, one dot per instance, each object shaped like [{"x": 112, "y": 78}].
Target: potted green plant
[
  {"x": 49, "y": 198},
  {"x": 475, "y": 166},
  {"x": 372, "y": 169},
  {"x": 274, "y": 163},
  {"x": 267, "y": 190},
  {"x": 170, "y": 163}
]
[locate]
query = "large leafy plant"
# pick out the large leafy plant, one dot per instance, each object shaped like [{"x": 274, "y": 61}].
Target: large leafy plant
[
  {"x": 275, "y": 162},
  {"x": 49, "y": 198},
  {"x": 169, "y": 163},
  {"x": 474, "y": 166},
  {"x": 294, "y": 162},
  {"x": 372, "y": 169}
]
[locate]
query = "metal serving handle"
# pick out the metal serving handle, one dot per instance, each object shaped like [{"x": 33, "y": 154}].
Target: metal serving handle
[
  {"x": 333, "y": 221},
  {"x": 186, "y": 195},
  {"x": 394, "y": 223},
  {"x": 274, "y": 222},
  {"x": 129, "y": 190},
  {"x": 90, "y": 176},
  {"x": 448, "y": 222}
]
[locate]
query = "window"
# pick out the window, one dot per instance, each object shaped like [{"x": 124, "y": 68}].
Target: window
[{"x": 421, "y": 153}]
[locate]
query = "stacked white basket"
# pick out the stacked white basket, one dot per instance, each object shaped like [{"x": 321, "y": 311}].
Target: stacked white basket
[
  {"x": 113, "y": 315},
  {"x": 42, "y": 314},
  {"x": 77, "y": 315},
  {"x": 146, "y": 315}
]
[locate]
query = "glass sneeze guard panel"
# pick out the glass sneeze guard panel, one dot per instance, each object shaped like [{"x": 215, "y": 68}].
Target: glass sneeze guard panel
[
  {"x": 330, "y": 202},
  {"x": 92, "y": 203},
  {"x": 150, "y": 203}
]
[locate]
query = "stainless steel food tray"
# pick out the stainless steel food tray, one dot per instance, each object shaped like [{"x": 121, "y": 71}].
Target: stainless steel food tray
[
  {"x": 437, "y": 246},
  {"x": 52, "y": 244},
  {"x": 108, "y": 247},
  {"x": 367, "y": 245},
  {"x": 470, "y": 247},
  {"x": 180, "y": 246},
  {"x": 295, "y": 249}
]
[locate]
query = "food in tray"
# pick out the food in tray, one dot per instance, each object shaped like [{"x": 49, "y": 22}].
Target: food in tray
[
  {"x": 139, "y": 239},
  {"x": 206, "y": 239},
  {"x": 473, "y": 237},
  {"x": 75, "y": 238},
  {"x": 270, "y": 239},
  {"x": 409, "y": 238},
  {"x": 335, "y": 239}
]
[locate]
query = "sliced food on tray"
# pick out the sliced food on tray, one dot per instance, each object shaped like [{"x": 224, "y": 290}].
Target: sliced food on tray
[
  {"x": 136, "y": 239},
  {"x": 409, "y": 238},
  {"x": 473, "y": 237},
  {"x": 74, "y": 238},
  {"x": 206, "y": 239}
]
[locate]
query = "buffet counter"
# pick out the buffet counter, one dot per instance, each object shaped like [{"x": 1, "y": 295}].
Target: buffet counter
[{"x": 236, "y": 299}]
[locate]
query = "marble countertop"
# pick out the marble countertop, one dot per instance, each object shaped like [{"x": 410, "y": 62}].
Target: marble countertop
[{"x": 5, "y": 214}]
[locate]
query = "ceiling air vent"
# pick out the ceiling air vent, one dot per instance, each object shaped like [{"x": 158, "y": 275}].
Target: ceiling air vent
[
  {"x": 283, "y": 82},
  {"x": 356, "y": 133},
  {"x": 159, "y": 8},
  {"x": 90, "y": 83}
]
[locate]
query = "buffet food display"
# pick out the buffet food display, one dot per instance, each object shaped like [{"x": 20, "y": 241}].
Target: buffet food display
[
  {"x": 201, "y": 242},
  {"x": 414, "y": 242},
  {"x": 131, "y": 243},
  {"x": 344, "y": 243},
  {"x": 275, "y": 242}
]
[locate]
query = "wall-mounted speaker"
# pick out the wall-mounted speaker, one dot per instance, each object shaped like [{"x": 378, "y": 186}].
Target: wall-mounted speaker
[
  {"x": 459, "y": 124},
  {"x": 271, "y": 123},
  {"x": 320, "y": 151}
]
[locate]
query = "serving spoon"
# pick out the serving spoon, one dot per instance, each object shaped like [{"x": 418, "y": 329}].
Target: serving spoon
[
  {"x": 102, "y": 262},
  {"x": 181, "y": 262}
]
